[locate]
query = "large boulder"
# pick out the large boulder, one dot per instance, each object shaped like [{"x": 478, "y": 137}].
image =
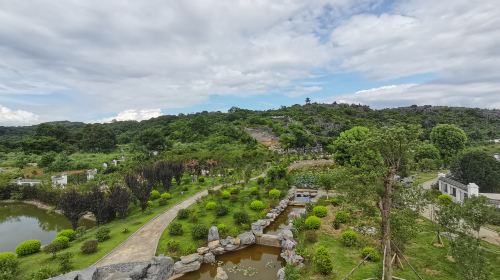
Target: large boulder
[
  {"x": 181, "y": 268},
  {"x": 287, "y": 234},
  {"x": 213, "y": 234},
  {"x": 221, "y": 274},
  {"x": 246, "y": 238},
  {"x": 212, "y": 245},
  {"x": 161, "y": 268},
  {"x": 209, "y": 258},
  {"x": 190, "y": 258},
  {"x": 202, "y": 250}
]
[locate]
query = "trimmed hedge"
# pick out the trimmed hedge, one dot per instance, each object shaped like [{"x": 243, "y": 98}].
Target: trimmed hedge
[
  {"x": 155, "y": 194},
  {"x": 241, "y": 218},
  {"x": 221, "y": 210},
  {"x": 89, "y": 246},
  {"x": 374, "y": 254},
  {"x": 28, "y": 247},
  {"x": 257, "y": 205},
  {"x": 199, "y": 232},
  {"x": 9, "y": 265},
  {"x": 323, "y": 261},
  {"x": 342, "y": 217},
  {"x": 225, "y": 194},
  {"x": 69, "y": 233},
  {"x": 320, "y": 211},
  {"x": 166, "y": 196},
  {"x": 61, "y": 242},
  {"x": 274, "y": 194},
  {"x": 313, "y": 222},
  {"x": 210, "y": 205},
  {"x": 102, "y": 234},
  {"x": 349, "y": 238},
  {"x": 175, "y": 229}
]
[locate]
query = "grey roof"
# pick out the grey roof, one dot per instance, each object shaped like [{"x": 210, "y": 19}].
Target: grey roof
[{"x": 453, "y": 183}]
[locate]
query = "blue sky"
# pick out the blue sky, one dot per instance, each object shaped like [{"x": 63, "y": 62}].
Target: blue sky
[{"x": 96, "y": 61}]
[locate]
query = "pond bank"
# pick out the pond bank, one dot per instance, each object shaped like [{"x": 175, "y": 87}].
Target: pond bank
[{"x": 44, "y": 206}]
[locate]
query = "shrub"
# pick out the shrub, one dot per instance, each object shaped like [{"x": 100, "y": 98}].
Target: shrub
[
  {"x": 311, "y": 236},
  {"x": 190, "y": 249},
  {"x": 61, "y": 241},
  {"x": 65, "y": 264},
  {"x": 125, "y": 230},
  {"x": 257, "y": 205},
  {"x": 193, "y": 219},
  {"x": 320, "y": 211},
  {"x": 154, "y": 195},
  {"x": 233, "y": 198},
  {"x": 313, "y": 222},
  {"x": 374, "y": 254},
  {"x": 241, "y": 218},
  {"x": 9, "y": 265},
  {"x": 162, "y": 202},
  {"x": 80, "y": 231},
  {"x": 28, "y": 247},
  {"x": 299, "y": 223},
  {"x": 199, "y": 232},
  {"x": 234, "y": 190},
  {"x": 444, "y": 199},
  {"x": 291, "y": 272},
  {"x": 52, "y": 248},
  {"x": 210, "y": 205},
  {"x": 175, "y": 229},
  {"x": 335, "y": 224},
  {"x": 261, "y": 181},
  {"x": 323, "y": 261},
  {"x": 274, "y": 194},
  {"x": 201, "y": 180},
  {"x": 225, "y": 194},
  {"x": 69, "y": 233},
  {"x": 221, "y": 210},
  {"x": 222, "y": 228},
  {"x": 335, "y": 201},
  {"x": 342, "y": 217},
  {"x": 254, "y": 190},
  {"x": 43, "y": 273},
  {"x": 102, "y": 234},
  {"x": 349, "y": 238},
  {"x": 89, "y": 246},
  {"x": 183, "y": 214},
  {"x": 150, "y": 204},
  {"x": 166, "y": 196},
  {"x": 173, "y": 246}
]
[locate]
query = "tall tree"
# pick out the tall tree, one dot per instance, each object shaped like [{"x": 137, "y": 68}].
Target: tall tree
[
  {"x": 74, "y": 205},
  {"x": 477, "y": 167},
  {"x": 119, "y": 199},
  {"x": 449, "y": 139},
  {"x": 151, "y": 138},
  {"x": 141, "y": 183},
  {"x": 97, "y": 138},
  {"x": 99, "y": 205}
]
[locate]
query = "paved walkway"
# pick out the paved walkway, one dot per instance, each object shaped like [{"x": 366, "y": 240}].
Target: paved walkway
[
  {"x": 141, "y": 245},
  {"x": 485, "y": 234}
]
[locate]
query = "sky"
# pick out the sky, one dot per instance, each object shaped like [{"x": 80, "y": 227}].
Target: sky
[{"x": 99, "y": 60}]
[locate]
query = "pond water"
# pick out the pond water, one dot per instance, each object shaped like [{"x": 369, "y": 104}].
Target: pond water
[
  {"x": 254, "y": 262},
  {"x": 282, "y": 219},
  {"x": 19, "y": 222}
]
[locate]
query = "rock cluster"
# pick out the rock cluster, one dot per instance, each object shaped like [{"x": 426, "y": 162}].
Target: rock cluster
[{"x": 159, "y": 268}]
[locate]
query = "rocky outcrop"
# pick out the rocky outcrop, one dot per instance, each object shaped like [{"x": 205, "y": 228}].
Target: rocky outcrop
[
  {"x": 209, "y": 258},
  {"x": 246, "y": 238},
  {"x": 181, "y": 268},
  {"x": 213, "y": 234},
  {"x": 158, "y": 268}
]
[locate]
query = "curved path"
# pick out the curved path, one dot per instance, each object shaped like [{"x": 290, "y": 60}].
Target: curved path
[{"x": 141, "y": 245}]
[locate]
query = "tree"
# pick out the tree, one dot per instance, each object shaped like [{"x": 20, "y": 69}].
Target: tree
[
  {"x": 99, "y": 206},
  {"x": 477, "y": 167},
  {"x": 308, "y": 101},
  {"x": 151, "y": 138},
  {"x": 141, "y": 183},
  {"x": 119, "y": 199},
  {"x": 469, "y": 256},
  {"x": 344, "y": 146},
  {"x": 449, "y": 139},
  {"x": 97, "y": 138},
  {"x": 426, "y": 151},
  {"x": 326, "y": 182},
  {"x": 41, "y": 144},
  {"x": 74, "y": 205},
  {"x": 57, "y": 131}
]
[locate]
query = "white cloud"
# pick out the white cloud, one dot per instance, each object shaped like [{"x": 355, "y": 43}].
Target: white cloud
[
  {"x": 134, "y": 115},
  {"x": 9, "y": 117},
  {"x": 303, "y": 90}
]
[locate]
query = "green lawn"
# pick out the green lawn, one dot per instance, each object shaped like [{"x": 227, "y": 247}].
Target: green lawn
[
  {"x": 421, "y": 177},
  {"x": 133, "y": 222},
  {"x": 199, "y": 215}
]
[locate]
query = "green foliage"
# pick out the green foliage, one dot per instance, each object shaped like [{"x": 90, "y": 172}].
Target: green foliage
[
  {"x": 97, "y": 138},
  {"x": 312, "y": 222},
  {"x": 241, "y": 218},
  {"x": 173, "y": 246},
  {"x": 426, "y": 151},
  {"x": 444, "y": 199},
  {"x": 374, "y": 254},
  {"x": 199, "y": 232},
  {"x": 151, "y": 138},
  {"x": 261, "y": 180},
  {"x": 221, "y": 210},
  {"x": 291, "y": 272},
  {"x": 299, "y": 223},
  {"x": 89, "y": 246},
  {"x": 449, "y": 139},
  {"x": 150, "y": 204},
  {"x": 276, "y": 173},
  {"x": 61, "y": 241},
  {"x": 336, "y": 200},
  {"x": 348, "y": 140},
  {"x": 166, "y": 196},
  {"x": 223, "y": 229},
  {"x": 349, "y": 238},
  {"x": 28, "y": 247},
  {"x": 102, "y": 234},
  {"x": 175, "y": 229},
  {"x": 69, "y": 233},
  {"x": 44, "y": 272},
  {"x": 125, "y": 230},
  {"x": 275, "y": 194},
  {"x": 225, "y": 194},
  {"x": 210, "y": 205},
  {"x": 320, "y": 211},
  {"x": 467, "y": 252},
  {"x": 9, "y": 266},
  {"x": 254, "y": 190},
  {"x": 311, "y": 236},
  {"x": 183, "y": 214},
  {"x": 478, "y": 167},
  {"x": 323, "y": 261},
  {"x": 65, "y": 262},
  {"x": 342, "y": 217},
  {"x": 234, "y": 190},
  {"x": 155, "y": 195},
  {"x": 257, "y": 205}
]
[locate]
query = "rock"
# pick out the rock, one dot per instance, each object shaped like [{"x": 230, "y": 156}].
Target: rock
[
  {"x": 219, "y": 250},
  {"x": 288, "y": 244},
  {"x": 190, "y": 258},
  {"x": 180, "y": 268},
  {"x": 247, "y": 238},
  {"x": 209, "y": 258},
  {"x": 269, "y": 240},
  {"x": 202, "y": 250},
  {"x": 212, "y": 245},
  {"x": 231, "y": 247},
  {"x": 221, "y": 274},
  {"x": 287, "y": 234},
  {"x": 225, "y": 242},
  {"x": 161, "y": 268},
  {"x": 236, "y": 241},
  {"x": 213, "y": 234},
  {"x": 281, "y": 274}
]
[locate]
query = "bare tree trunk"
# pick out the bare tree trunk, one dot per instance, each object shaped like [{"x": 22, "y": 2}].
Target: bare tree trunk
[{"x": 385, "y": 209}]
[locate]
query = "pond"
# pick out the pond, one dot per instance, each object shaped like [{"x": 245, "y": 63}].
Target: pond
[
  {"x": 254, "y": 262},
  {"x": 19, "y": 222},
  {"x": 283, "y": 218}
]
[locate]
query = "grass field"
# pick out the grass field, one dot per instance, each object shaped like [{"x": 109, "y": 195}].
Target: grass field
[{"x": 133, "y": 222}]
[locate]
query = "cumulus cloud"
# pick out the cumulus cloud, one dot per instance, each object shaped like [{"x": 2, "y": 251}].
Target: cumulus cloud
[
  {"x": 303, "y": 90},
  {"x": 134, "y": 115},
  {"x": 9, "y": 117}
]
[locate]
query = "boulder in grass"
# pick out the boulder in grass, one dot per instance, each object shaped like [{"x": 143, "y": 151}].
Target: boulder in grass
[{"x": 213, "y": 234}]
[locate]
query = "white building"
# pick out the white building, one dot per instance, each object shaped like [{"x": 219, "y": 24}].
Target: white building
[
  {"x": 59, "y": 181},
  {"x": 91, "y": 174},
  {"x": 460, "y": 192},
  {"x": 27, "y": 182}
]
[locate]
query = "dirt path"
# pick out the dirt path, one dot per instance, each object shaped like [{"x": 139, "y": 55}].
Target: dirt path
[{"x": 485, "y": 234}]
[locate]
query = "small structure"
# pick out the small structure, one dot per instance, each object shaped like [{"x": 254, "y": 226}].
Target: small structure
[
  {"x": 105, "y": 165},
  {"x": 91, "y": 174},
  {"x": 115, "y": 162},
  {"x": 458, "y": 191},
  {"x": 497, "y": 156},
  {"x": 32, "y": 164},
  {"x": 27, "y": 182},
  {"x": 59, "y": 181}
]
